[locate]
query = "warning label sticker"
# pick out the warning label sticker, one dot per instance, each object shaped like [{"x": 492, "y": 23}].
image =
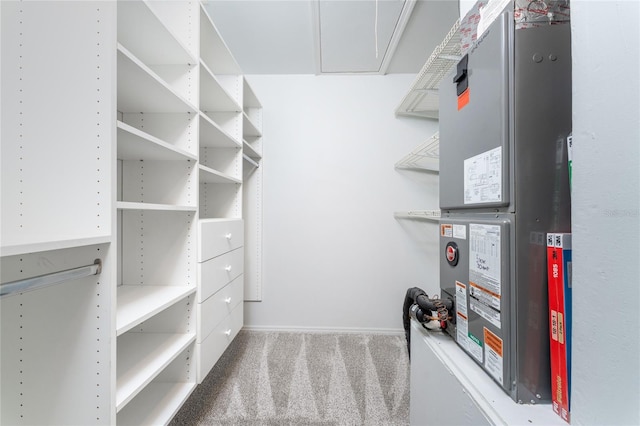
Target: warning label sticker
[
  {"x": 486, "y": 312},
  {"x": 461, "y": 298},
  {"x": 485, "y": 296},
  {"x": 493, "y": 355},
  {"x": 446, "y": 230},
  {"x": 462, "y": 330}
]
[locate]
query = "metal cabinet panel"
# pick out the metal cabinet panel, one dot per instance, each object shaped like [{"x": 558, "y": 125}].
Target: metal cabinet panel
[{"x": 476, "y": 150}]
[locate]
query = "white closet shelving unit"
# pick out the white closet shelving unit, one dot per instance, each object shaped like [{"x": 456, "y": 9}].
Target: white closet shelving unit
[
  {"x": 220, "y": 146},
  {"x": 252, "y": 148},
  {"x": 122, "y": 141},
  {"x": 157, "y": 206},
  {"x": 56, "y": 210},
  {"x": 221, "y": 234}
]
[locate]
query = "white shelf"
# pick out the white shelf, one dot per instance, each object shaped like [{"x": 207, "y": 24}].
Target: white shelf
[
  {"x": 249, "y": 98},
  {"x": 422, "y": 99},
  {"x": 248, "y": 127},
  {"x": 129, "y": 205},
  {"x": 250, "y": 151},
  {"x": 160, "y": 402},
  {"x": 213, "y": 50},
  {"x": 58, "y": 244},
  {"x": 141, "y": 357},
  {"x": 426, "y": 157},
  {"x": 137, "y": 303},
  {"x": 142, "y": 31},
  {"x": 209, "y": 175},
  {"x": 250, "y": 160},
  {"x": 134, "y": 144},
  {"x": 140, "y": 89},
  {"x": 430, "y": 215},
  {"x": 213, "y": 96},
  {"x": 212, "y": 135}
]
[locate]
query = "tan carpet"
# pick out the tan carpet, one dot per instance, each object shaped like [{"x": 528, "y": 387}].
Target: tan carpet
[{"x": 282, "y": 378}]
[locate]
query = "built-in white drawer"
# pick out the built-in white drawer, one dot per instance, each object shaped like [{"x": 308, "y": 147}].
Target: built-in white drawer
[
  {"x": 218, "y": 236},
  {"x": 217, "y": 307},
  {"x": 217, "y": 272},
  {"x": 210, "y": 350}
]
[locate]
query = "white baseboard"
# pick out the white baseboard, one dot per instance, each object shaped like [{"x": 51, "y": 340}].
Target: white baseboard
[{"x": 335, "y": 330}]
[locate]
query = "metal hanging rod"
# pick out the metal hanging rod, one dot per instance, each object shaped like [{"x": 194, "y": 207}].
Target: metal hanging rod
[{"x": 28, "y": 284}]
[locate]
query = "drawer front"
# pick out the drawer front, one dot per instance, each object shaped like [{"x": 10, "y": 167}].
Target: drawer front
[
  {"x": 213, "y": 310},
  {"x": 210, "y": 350},
  {"x": 218, "y": 237},
  {"x": 217, "y": 272}
]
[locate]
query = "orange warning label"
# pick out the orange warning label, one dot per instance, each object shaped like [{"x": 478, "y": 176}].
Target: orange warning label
[
  {"x": 446, "y": 231},
  {"x": 493, "y": 341},
  {"x": 480, "y": 288},
  {"x": 463, "y": 99}
]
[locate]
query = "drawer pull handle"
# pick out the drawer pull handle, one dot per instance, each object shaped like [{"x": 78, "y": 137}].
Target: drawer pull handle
[
  {"x": 228, "y": 236},
  {"x": 228, "y": 332},
  {"x": 227, "y": 300},
  {"x": 227, "y": 268}
]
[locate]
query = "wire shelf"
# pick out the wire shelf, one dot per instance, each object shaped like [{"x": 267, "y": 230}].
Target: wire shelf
[
  {"x": 424, "y": 158},
  {"x": 422, "y": 99},
  {"x": 430, "y": 215}
]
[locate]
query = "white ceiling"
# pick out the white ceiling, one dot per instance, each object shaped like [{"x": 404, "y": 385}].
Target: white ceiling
[{"x": 331, "y": 36}]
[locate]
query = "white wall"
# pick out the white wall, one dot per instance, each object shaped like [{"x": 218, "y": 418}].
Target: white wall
[
  {"x": 334, "y": 256},
  {"x": 606, "y": 215}
]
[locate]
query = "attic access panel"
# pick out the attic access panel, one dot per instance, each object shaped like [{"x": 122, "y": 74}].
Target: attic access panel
[{"x": 348, "y": 34}]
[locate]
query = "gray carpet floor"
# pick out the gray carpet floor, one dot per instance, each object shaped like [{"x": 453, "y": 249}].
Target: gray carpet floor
[{"x": 283, "y": 378}]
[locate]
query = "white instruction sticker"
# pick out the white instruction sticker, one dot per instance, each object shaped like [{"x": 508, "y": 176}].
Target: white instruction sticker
[
  {"x": 460, "y": 231},
  {"x": 484, "y": 271},
  {"x": 493, "y": 354},
  {"x": 483, "y": 177},
  {"x": 484, "y": 256}
]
